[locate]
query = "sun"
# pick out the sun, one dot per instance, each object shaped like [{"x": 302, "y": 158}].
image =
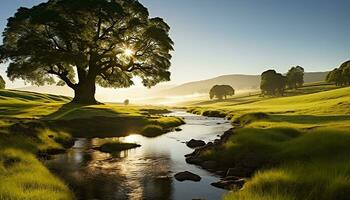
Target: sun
[{"x": 128, "y": 52}]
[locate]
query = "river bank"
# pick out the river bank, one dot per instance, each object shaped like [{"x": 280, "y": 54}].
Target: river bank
[
  {"x": 146, "y": 172},
  {"x": 289, "y": 147}
]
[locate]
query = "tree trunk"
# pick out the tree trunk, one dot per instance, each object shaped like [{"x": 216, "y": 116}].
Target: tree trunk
[{"x": 84, "y": 93}]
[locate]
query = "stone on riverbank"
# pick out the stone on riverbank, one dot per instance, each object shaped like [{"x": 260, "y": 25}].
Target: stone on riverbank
[
  {"x": 187, "y": 176},
  {"x": 195, "y": 143},
  {"x": 194, "y": 160},
  {"x": 229, "y": 184},
  {"x": 178, "y": 129}
]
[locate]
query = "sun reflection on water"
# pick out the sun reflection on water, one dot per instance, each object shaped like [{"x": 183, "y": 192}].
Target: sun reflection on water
[{"x": 133, "y": 138}]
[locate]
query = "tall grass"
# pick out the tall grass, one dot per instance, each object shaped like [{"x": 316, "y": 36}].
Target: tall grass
[
  {"x": 318, "y": 180},
  {"x": 24, "y": 177},
  {"x": 311, "y": 165}
]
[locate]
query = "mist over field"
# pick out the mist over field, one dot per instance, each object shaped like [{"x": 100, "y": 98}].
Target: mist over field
[{"x": 166, "y": 94}]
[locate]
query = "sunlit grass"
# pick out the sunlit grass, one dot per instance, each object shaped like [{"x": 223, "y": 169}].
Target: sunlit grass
[
  {"x": 324, "y": 109},
  {"x": 313, "y": 181},
  {"x": 300, "y": 143},
  {"x": 305, "y": 165},
  {"x": 22, "y": 175}
]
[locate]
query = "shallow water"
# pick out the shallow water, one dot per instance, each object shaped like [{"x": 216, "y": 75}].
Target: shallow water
[{"x": 142, "y": 173}]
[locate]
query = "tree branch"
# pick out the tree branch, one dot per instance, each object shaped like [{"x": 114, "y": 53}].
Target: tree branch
[
  {"x": 63, "y": 76},
  {"x": 53, "y": 39},
  {"x": 107, "y": 30}
]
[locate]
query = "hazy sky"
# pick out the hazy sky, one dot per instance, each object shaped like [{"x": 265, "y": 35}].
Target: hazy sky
[{"x": 216, "y": 37}]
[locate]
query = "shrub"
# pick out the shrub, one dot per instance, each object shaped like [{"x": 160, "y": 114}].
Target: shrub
[{"x": 152, "y": 131}]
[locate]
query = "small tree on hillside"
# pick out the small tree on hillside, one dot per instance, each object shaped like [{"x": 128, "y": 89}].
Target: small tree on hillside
[
  {"x": 126, "y": 102},
  {"x": 295, "y": 77},
  {"x": 87, "y": 42},
  {"x": 221, "y": 91},
  {"x": 2, "y": 83}
]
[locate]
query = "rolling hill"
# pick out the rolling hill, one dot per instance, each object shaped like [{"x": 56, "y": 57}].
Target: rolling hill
[{"x": 237, "y": 81}]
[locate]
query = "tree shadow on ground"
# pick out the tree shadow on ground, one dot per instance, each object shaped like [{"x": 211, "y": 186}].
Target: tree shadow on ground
[{"x": 86, "y": 121}]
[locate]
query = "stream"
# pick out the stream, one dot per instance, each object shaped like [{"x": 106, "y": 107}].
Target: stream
[{"x": 145, "y": 172}]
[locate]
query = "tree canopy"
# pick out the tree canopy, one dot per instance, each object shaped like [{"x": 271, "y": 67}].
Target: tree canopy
[
  {"x": 84, "y": 42},
  {"x": 295, "y": 77},
  {"x": 2, "y": 83},
  {"x": 272, "y": 83},
  {"x": 221, "y": 91},
  {"x": 340, "y": 76}
]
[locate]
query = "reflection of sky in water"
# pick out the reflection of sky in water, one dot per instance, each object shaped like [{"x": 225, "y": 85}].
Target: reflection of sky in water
[{"x": 141, "y": 173}]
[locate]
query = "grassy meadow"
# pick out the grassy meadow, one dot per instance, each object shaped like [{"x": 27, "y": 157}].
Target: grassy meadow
[
  {"x": 34, "y": 126},
  {"x": 297, "y": 146}
]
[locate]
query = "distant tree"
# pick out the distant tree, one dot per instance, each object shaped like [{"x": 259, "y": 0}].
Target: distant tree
[
  {"x": 104, "y": 42},
  {"x": 2, "y": 83},
  {"x": 221, "y": 91},
  {"x": 267, "y": 84},
  {"x": 295, "y": 77},
  {"x": 272, "y": 83},
  {"x": 281, "y": 82},
  {"x": 340, "y": 76},
  {"x": 126, "y": 102},
  {"x": 335, "y": 76}
]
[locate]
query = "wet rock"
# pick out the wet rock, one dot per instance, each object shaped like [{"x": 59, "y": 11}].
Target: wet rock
[
  {"x": 239, "y": 171},
  {"x": 195, "y": 143},
  {"x": 187, "y": 176},
  {"x": 229, "y": 184},
  {"x": 209, "y": 164},
  {"x": 209, "y": 145},
  {"x": 178, "y": 129},
  {"x": 223, "y": 184},
  {"x": 194, "y": 160}
]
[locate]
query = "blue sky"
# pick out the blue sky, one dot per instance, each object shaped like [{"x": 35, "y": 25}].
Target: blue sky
[{"x": 216, "y": 37}]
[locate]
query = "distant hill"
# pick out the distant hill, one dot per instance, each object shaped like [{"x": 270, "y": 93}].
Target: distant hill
[{"x": 237, "y": 81}]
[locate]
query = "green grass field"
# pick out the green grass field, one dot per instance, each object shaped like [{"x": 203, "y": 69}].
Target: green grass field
[
  {"x": 33, "y": 125},
  {"x": 297, "y": 145}
]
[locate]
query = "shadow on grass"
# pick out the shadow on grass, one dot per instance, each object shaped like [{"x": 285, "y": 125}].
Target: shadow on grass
[
  {"x": 89, "y": 122},
  {"x": 308, "y": 119}
]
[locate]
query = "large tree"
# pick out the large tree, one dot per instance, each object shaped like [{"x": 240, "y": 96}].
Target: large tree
[{"x": 84, "y": 42}]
